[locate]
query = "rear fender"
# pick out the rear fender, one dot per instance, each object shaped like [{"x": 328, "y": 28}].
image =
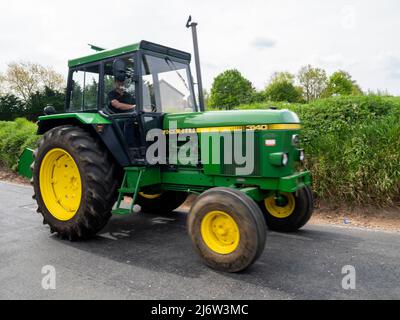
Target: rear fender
[{"x": 96, "y": 125}]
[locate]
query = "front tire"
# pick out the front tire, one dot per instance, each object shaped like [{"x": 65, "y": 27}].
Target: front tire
[
  {"x": 227, "y": 229},
  {"x": 291, "y": 215},
  {"x": 75, "y": 184}
]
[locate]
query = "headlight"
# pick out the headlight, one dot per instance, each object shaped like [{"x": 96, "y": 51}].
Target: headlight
[
  {"x": 279, "y": 159},
  {"x": 295, "y": 140},
  {"x": 285, "y": 159},
  {"x": 302, "y": 156}
]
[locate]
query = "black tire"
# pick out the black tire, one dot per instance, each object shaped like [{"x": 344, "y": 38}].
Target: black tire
[
  {"x": 164, "y": 204},
  {"x": 248, "y": 218},
  {"x": 98, "y": 176},
  {"x": 304, "y": 208}
]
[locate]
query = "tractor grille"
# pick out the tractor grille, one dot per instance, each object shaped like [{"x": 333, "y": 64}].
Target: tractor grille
[{"x": 230, "y": 169}]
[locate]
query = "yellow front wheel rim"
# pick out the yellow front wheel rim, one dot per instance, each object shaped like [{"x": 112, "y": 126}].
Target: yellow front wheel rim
[
  {"x": 150, "y": 196},
  {"x": 220, "y": 232},
  {"x": 281, "y": 212},
  {"x": 60, "y": 184}
]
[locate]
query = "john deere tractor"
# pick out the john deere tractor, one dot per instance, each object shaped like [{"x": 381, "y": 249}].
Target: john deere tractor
[{"x": 90, "y": 158}]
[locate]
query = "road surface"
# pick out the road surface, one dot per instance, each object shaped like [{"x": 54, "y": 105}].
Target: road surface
[{"x": 149, "y": 257}]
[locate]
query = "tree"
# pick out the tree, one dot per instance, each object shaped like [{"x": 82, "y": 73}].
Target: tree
[
  {"x": 379, "y": 93},
  {"x": 258, "y": 96},
  {"x": 2, "y": 85},
  {"x": 282, "y": 88},
  {"x": 340, "y": 83},
  {"x": 231, "y": 89},
  {"x": 313, "y": 82},
  {"x": 357, "y": 91},
  {"x": 11, "y": 107},
  {"x": 206, "y": 96},
  {"x": 25, "y": 78},
  {"x": 40, "y": 99}
]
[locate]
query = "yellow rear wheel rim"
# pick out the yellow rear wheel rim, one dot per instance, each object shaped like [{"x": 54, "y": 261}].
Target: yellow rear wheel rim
[
  {"x": 150, "y": 196},
  {"x": 220, "y": 232},
  {"x": 281, "y": 212},
  {"x": 60, "y": 184}
]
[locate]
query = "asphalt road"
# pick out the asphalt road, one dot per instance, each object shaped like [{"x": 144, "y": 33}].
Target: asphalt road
[{"x": 149, "y": 257}]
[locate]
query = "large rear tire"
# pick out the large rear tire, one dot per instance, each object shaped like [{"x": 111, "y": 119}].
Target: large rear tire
[
  {"x": 227, "y": 229},
  {"x": 293, "y": 214},
  {"x": 74, "y": 180}
]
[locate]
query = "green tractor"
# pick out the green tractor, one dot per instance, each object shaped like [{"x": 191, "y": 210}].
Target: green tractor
[{"x": 90, "y": 158}]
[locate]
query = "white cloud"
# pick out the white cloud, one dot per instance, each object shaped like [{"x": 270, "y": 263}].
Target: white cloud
[
  {"x": 263, "y": 43},
  {"x": 257, "y": 37}
]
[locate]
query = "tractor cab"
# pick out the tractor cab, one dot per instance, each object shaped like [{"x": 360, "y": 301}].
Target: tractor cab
[{"x": 156, "y": 80}]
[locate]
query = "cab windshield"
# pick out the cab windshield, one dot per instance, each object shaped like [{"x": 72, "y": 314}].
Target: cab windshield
[{"x": 166, "y": 85}]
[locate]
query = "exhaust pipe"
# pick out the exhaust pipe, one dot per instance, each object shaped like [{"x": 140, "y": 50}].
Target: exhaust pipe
[{"x": 193, "y": 25}]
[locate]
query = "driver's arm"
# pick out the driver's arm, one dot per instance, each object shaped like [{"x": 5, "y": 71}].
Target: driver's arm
[{"x": 122, "y": 106}]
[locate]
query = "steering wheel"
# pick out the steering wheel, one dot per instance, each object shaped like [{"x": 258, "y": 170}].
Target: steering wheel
[{"x": 108, "y": 113}]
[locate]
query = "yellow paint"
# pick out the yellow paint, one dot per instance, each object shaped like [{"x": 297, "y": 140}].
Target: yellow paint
[
  {"x": 150, "y": 196},
  {"x": 219, "y": 129},
  {"x": 220, "y": 232},
  {"x": 265, "y": 127},
  {"x": 284, "y": 127},
  {"x": 60, "y": 184},
  {"x": 278, "y": 211}
]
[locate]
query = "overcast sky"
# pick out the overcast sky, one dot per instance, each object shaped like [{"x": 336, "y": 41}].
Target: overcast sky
[{"x": 256, "y": 37}]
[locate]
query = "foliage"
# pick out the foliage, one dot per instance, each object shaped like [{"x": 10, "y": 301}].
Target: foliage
[
  {"x": 340, "y": 83},
  {"x": 358, "y": 164},
  {"x": 23, "y": 79},
  {"x": 206, "y": 96},
  {"x": 230, "y": 89},
  {"x": 11, "y": 107},
  {"x": 39, "y": 100},
  {"x": 15, "y": 136},
  {"x": 27, "y": 88},
  {"x": 352, "y": 146},
  {"x": 312, "y": 81},
  {"x": 282, "y": 88}
]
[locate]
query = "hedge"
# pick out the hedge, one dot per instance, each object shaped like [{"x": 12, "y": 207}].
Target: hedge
[
  {"x": 352, "y": 146},
  {"x": 15, "y": 136}
]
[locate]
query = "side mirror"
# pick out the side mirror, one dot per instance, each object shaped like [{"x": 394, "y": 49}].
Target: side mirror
[
  {"x": 119, "y": 69},
  {"x": 49, "y": 110}
]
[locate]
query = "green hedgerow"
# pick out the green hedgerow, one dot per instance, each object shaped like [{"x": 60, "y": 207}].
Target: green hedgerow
[
  {"x": 15, "y": 136},
  {"x": 353, "y": 147}
]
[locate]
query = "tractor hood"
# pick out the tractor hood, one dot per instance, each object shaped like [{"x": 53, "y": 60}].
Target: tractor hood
[{"x": 230, "y": 118}]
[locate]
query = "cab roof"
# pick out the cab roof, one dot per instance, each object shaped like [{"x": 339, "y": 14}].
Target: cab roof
[{"x": 142, "y": 45}]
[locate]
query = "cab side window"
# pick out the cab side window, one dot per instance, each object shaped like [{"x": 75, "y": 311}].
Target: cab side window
[{"x": 84, "y": 89}]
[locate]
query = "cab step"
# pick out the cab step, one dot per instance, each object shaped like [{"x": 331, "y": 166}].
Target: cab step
[{"x": 121, "y": 212}]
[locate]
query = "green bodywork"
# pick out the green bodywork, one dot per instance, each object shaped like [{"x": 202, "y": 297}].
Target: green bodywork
[
  {"x": 105, "y": 54},
  {"x": 84, "y": 118},
  {"x": 268, "y": 177},
  {"x": 24, "y": 163},
  {"x": 231, "y": 118},
  {"x": 198, "y": 119}
]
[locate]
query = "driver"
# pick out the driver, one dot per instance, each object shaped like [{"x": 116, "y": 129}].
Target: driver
[{"x": 120, "y": 100}]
